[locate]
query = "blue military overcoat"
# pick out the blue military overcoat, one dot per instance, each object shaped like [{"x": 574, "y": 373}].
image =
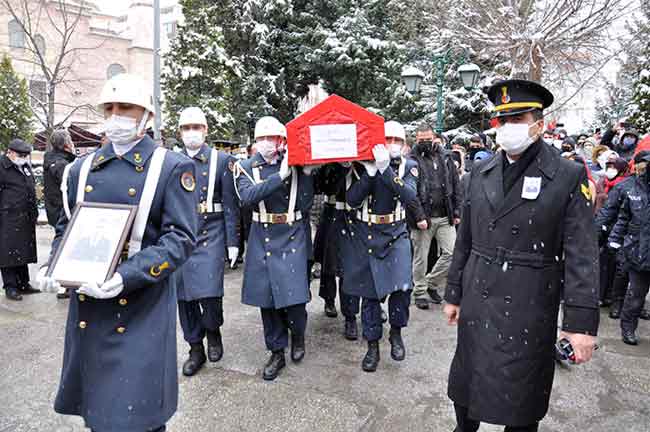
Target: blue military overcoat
[
  {"x": 119, "y": 364},
  {"x": 202, "y": 275},
  {"x": 378, "y": 256},
  {"x": 276, "y": 271}
]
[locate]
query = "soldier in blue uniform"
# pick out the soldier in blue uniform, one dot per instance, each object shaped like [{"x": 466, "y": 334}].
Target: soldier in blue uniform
[
  {"x": 377, "y": 246},
  {"x": 276, "y": 275},
  {"x": 119, "y": 362},
  {"x": 200, "y": 280},
  {"x": 330, "y": 181}
]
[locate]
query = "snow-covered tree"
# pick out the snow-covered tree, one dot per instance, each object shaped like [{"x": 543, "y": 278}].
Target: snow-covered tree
[
  {"x": 641, "y": 101},
  {"x": 15, "y": 113}
]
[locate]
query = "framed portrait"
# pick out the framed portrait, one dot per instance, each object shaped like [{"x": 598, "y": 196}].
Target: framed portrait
[{"x": 92, "y": 243}]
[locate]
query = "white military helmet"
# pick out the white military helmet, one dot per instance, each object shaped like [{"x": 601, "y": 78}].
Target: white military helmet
[
  {"x": 126, "y": 88},
  {"x": 191, "y": 116},
  {"x": 269, "y": 126},
  {"x": 394, "y": 130}
]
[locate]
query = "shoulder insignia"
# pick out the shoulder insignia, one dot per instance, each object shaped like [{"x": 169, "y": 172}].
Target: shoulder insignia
[
  {"x": 414, "y": 172},
  {"x": 137, "y": 157},
  {"x": 585, "y": 191},
  {"x": 188, "y": 182},
  {"x": 399, "y": 181}
]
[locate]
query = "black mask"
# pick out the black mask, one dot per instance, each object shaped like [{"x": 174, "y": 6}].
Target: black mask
[
  {"x": 567, "y": 148},
  {"x": 472, "y": 152},
  {"x": 424, "y": 147}
]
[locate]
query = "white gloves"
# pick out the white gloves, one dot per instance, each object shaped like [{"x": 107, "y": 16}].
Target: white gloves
[
  {"x": 382, "y": 157},
  {"x": 47, "y": 284},
  {"x": 233, "y": 253},
  {"x": 614, "y": 245},
  {"x": 371, "y": 168},
  {"x": 285, "y": 170},
  {"x": 309, "y": 169},
  {"x": 109, "y": 289}
]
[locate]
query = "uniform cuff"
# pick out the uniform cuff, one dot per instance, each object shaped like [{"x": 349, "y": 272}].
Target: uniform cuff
[
  {"x": 453, "y": 294},
  {"x": 581, "y": 320}
]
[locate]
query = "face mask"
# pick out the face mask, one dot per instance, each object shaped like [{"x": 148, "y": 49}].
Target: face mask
[
  {"x": 268, "y": 150},
  {"x": 588, "y": 152},
  {"x": 395, "y": 150},
  {"x": 193, "y": 139},
  {"x": 472, "y": 152},
  {"x": 628, "y": 142},
  {"x": 567, "y": 149},
  {"x": 19, "y": 161},
  {"x": 557, "y": 144},
  {"x": 611, "y": 173},
  {"x": 424, "y": 147},
  {"x": 514, "y": 138},
  {"x": 121, "y": 130}
]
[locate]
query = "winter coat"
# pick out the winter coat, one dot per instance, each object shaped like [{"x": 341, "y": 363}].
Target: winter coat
[
  {"x": 119, "y": 360},
  {"x": 275, "y": 275},
  {"x": 607, "y": 215},
  {"x": 451, "y": 189},
  {"x": 512, "y": 261},
  {"x": 632, "y": 229},
  {"x": 202, "y": 274},
  {"x": 18, "y": 214},
  {"x": 54, "y": 163},
  {"x": 378, "y": 256}
]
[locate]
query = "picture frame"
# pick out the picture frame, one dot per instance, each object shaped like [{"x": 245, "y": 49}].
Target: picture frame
[{"x": 92, "y": 244}]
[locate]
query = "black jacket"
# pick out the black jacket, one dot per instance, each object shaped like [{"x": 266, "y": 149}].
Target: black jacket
[
  {"x": 18, "y": 215},
  {"x": 451, "y": 187},
  {"x": 608, "y": 214},
  {"x": 632, "y": 229},
  {"x": 53, "y": 165}
]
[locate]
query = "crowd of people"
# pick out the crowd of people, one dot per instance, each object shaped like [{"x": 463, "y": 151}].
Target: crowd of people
[{"x": 503, "y": 228}]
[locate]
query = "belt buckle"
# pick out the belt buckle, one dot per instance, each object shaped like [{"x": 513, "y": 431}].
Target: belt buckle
[
  {"x": 203, "y": 207},
  {"x": 279, "y": 218},
  {"x": 382, "y": 219}
]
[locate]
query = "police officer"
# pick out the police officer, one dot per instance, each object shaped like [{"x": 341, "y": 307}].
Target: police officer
[
  {"x": 18, "y": 215},
  {"x": 521, "y": 246},
  {"x": 330, "y": 181},
  {"x": 119, "y": 363},
  {"x": 200, "y": 280},
  {"x": 377, "y": 247},
  {"x": 276, "y": 275},
  {"x": 631, "y": 233}
]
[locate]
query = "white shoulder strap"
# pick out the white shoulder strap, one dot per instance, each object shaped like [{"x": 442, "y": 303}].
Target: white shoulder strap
[
  {"x": 214, "y": 157},
  {"x": 400, "y": 172},
  {"x": 348, "y": 183},
  {"x": 258, "y": 179},
  {"x": 146, "y": 200},
  {"x": 83, "y": 178},
  {"x": 293, "y": 195},
  {"x": 64, "y": 190}
]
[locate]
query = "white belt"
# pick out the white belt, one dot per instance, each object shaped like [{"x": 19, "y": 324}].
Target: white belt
[
  {"x": 277, "y": 218},
  {"x": 382, "y": 219},
  {"x": 204, "y": 207}
]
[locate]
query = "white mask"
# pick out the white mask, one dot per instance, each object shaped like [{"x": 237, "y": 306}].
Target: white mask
[
  {"x": 268, "y": 150},
  {"x": 557, "y": 144},
  {"x": 611, "y": 173},
  {"x": 514, "y": 138},
  {"x": 20, "y": 161},
  {"x": 193, "y": 139},
  {"x": 395, "y": 150}
]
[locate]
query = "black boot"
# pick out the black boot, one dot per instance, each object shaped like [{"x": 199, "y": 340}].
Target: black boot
[
  {"x": 28, "y": 289},
  {"x": 615, "y": 309},
  {"x": 397, "y": 350},
  {"x": 330, "y": 309},
  {"x": 13, "y": 294},
  {"x": 351, "y": 331},
  {"x": 195, "y": 361},
  {"x": 435, "y": 297},
  {"x": 273, "y": 367},
  {"x": 371, "y": 360},
  {"x": 645, "y": 315},
  {"x": 422, "y": 303},
  {"x": 215, "y": 346},
  {"x": 629, "y": 337},
  {"x": 297, "y": 347}
]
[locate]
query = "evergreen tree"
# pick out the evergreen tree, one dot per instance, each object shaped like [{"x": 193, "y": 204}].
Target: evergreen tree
[
  {"x": 641, "y": 101},
  {"x": 15, "y": 113}
]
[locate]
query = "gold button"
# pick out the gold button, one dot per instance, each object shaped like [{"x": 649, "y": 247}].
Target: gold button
[
  {"x": 267, "y": 239},
  {"x": 123, "y": 302},
  {"x": 82, "y": 297},
  {"x": 268, "y": 254},
  {"x": 82, "y": 324},
  {"x": 88, "y": 189},
  {"x": 369, "y": 210},
  {"x": 266, "y": 225},
  {"x": 205, "y": 173},
  {"x": 205, "y": 231},
  {"x": 205, "y": 188},
  {"x": 369, "y": 251},
  {"x": 121, "y": 330},
  {"x": 205, "y": 244},
  {"x": 131, "y": 192},
  {"x": 369, "y": 237},
  {"x": 293, "y": 250},
  {"x": 139, "y": 168}
]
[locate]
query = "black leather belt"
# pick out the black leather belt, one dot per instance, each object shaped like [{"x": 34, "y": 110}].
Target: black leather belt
[
  {"x": 438, "y": 213},
  {"x": 500, "y": 255}
]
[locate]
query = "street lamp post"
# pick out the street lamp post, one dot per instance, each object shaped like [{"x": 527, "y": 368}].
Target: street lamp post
[{"x": 469, "y": 75}]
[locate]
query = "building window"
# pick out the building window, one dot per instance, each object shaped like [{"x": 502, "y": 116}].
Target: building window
[
  {"x": 38, "y": 92},
  {"x": 16, "y": 35},
  {"x": 39, "y": 41},
  {"x": 170, "y": 29},
  {"x": 115, "y": 69}
]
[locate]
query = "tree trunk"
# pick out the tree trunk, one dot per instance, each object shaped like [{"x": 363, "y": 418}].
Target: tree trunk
[
  {"x": 51, "y": 93},
  {"x": 536, "y": 70}
]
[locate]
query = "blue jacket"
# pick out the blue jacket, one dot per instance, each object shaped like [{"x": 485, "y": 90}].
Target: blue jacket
[
  {"x": 202, "y": 275},
  {"x": 119, "y": 361},
  {"x": 276, "y": 271},
  {"x": 378, "y": 257}
]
